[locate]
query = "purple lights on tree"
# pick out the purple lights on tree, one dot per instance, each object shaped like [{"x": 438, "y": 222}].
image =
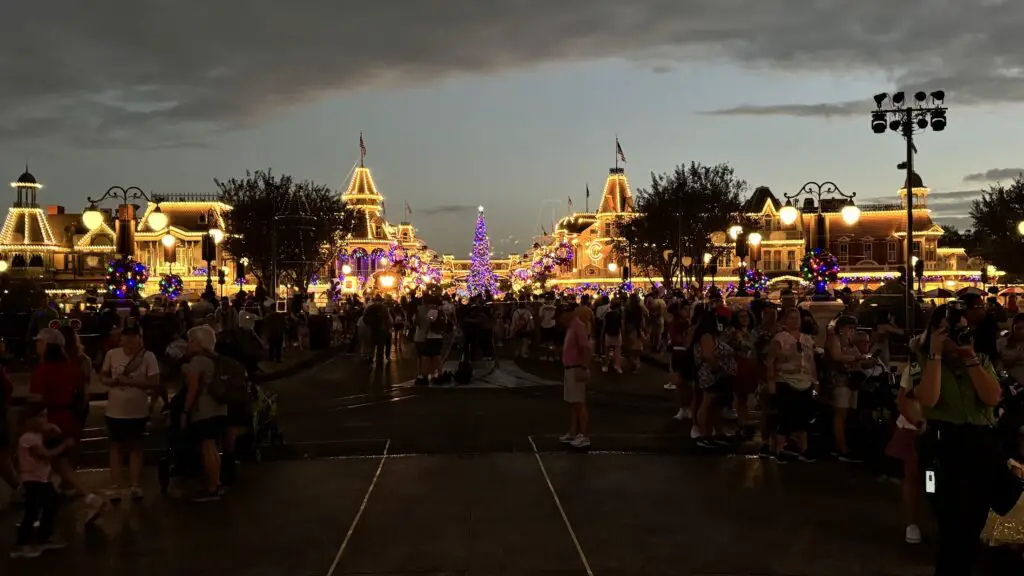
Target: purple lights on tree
[{"x": 481, "y": 278}]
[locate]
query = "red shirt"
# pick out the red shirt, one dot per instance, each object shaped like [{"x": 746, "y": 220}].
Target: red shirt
[{"x": 57, "y": 383}]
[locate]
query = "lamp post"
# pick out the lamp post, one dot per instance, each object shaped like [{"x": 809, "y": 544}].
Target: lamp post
[
  {"x": 170, "y": 254},
  {"x": 898, "y": 115},
  {"x": 850, "y": 213},
  {"x": 213, "y": 237},
  {"x": 93, "y": 218}
]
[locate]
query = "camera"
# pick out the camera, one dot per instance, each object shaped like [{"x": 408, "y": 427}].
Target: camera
[{"x": 959, "y": 335}]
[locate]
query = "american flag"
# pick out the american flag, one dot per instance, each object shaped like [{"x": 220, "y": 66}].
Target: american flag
[
  {"x": 362, "y": 147},
  {"x": 618, "y": 150}
]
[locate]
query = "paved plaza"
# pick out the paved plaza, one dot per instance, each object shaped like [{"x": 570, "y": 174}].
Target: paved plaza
[{"x": 381, "y": 478}]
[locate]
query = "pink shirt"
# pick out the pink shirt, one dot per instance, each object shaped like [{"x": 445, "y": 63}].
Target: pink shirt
[
  {"x": 33, "y": 468},
  {"x": 577, "y": 343}
]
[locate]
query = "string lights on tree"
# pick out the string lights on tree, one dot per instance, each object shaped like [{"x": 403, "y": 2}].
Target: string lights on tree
[
  {"x": 125, "y": 276},
  {"x": 756, "y": 280},
  {"x": 171, "y": 286},
  {"x": 820, "y": 269},
  {"x": 481, "y": 278}
]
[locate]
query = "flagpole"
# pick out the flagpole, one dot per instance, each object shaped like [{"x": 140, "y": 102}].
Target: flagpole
[
  {"x": 616, "y": 152},
  {"x": 587, "y": 202}
]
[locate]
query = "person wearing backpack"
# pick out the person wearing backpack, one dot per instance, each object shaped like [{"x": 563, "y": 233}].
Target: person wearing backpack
[{"x": 205, "y": 409}]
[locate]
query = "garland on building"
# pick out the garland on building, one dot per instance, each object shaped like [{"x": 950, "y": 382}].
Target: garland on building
[
  {"x": 481, "y": 278},
  {"x": 171, "y": 286},
  {"x": 545, "y": 262},
  {"x": 820, "y": 269},
  {"x": 125, "y": 276}
]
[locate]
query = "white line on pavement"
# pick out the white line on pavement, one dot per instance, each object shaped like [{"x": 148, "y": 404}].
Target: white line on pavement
[
  {"x": 377, "y": 402},
  {"x": 359, "y": 514},
  {"x": 561, "y": 510}
]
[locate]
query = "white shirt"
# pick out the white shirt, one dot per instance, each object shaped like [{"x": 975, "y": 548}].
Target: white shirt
[
  {"x": 547, "y": 316},
  {"x": 602, "y": 310},
  {"x": 128, "y": 401},
  {"x": 522, "y": 319}
]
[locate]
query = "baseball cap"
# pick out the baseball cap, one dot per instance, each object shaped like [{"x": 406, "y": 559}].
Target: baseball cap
[{"x": 50, "y": 336}]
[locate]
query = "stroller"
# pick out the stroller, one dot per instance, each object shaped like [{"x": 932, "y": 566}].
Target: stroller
[{"x": 182, "y": 458}]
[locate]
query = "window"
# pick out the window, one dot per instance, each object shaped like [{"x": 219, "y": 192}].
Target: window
[
  {"x": 869, "y": 248},
  {"x": 844, "y": 253},
  {"x": 791, "y": 260},
  {"x": 891, "y": 253},
  {"x": 917, "y": 249},
  {"x": 769, "y": 222},
  {"x": 929, "y": 252},
  {"x": 203, "y": 220}
]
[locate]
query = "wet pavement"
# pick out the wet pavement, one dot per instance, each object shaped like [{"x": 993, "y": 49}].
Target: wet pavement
[{"x": 378, "y": 477}]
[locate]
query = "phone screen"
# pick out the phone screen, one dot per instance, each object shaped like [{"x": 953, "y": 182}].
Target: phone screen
[{"x": 929, "y": 481}]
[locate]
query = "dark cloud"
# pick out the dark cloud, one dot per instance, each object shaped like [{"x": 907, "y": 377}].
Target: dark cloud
[
  {"x": 994, "y": 175},
  {"x": 167, "y": 73},
  {"x": 447, "y": 209}
]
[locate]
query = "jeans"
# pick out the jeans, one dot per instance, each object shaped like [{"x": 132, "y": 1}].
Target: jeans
[{"x": 41, "y": 503}]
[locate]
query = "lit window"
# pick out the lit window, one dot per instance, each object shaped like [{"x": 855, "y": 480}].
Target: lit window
[
  {"x": 844, "y": 253},
  {"x": 891, "y": 253},
  {"x": 869, "y": 248}
]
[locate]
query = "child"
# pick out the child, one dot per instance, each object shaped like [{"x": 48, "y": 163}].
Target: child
[{"x": 41, "y": 498}]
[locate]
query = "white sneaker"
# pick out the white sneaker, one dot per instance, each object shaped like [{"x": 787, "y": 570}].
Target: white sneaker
[
  {"x": 53, "y": 544},
  {"x": 679, "y": 415},
  {"x": 96, "y": 506},
  {"x": 670, "y": 386},
  {"x": 580, "y": 441},
  {"x": 913, "y": 535},
  {"x": 566, "y": 438},
  {"x": 694, "y": 432},
  {"x": 26, "y": 552}
]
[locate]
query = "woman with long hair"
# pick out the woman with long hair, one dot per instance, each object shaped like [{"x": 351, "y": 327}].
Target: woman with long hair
[
  {"x": 744, "y": 341},
  {"x": 792, "y": 379},
  {"x": 63, "y": 387},
  {"x": 716, "y": 375}
]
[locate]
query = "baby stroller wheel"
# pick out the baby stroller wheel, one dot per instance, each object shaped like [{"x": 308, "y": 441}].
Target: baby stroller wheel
[{"x": 163, "y": 473}]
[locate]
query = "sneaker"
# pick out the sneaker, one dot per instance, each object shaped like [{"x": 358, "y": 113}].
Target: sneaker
[
  {"x": 96, "y": 506},
  {"x": 114, "y": 494},
  {"x": 703, "y": 442},
  {"x": 849, "y": 458},
  {"x": 784, "y": 457},
  {"x": 679, "y": 415},
  {"x": 35, "y": 524},
  {"x": 580, "y": 441},
  {"x": 566, "y": 438},
  {"x": 206, "y": 496},
  {"x": 670, "y": 386},
  {"x": 136, "y": 492},
  {"x": 913, "y": 535},
  {"x": 53, "y": 544},
  {"x": 694, "y": 432},
  {"x": 26, "y": 552},
  {"x": 806, "y": 458}
]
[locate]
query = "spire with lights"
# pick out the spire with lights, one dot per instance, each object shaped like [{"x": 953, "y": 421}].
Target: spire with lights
[
  {"x": 26, "y": 231},
  {"x": 481, "y": 278}
]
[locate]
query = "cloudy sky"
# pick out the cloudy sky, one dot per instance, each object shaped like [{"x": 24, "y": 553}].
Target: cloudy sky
[{"x": 513, "y": 104}]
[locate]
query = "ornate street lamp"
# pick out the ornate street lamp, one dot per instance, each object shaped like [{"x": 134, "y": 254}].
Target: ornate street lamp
[
  {"x": 93, "y": 218},
  {"x": 849, "y": 213}
]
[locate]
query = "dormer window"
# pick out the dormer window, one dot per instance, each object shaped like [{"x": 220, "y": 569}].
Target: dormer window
[{"x": 204, "y": 219}]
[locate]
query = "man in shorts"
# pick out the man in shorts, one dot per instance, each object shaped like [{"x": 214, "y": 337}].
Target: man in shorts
[{"x": 576, "y": 362}]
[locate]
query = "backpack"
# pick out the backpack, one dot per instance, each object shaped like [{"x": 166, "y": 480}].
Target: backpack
[
  {"x": 228, "y": 386},
  {"x": 613, "y": 323}
]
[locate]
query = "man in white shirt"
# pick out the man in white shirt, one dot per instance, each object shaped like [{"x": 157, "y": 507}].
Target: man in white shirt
[{"x": 129, "y": 371}]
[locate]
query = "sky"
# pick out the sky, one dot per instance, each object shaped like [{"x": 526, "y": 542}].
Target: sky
[{"x": 513, "y": 105}]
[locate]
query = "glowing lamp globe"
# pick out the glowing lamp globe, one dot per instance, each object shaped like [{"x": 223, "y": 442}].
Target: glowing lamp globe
[
  {"x": 991, "y": 270},
  {"x": 346, "y": 269},
  {"x": 612, "y": 266},
  {"x": 788, "y": 214},
  {"x": 157, "y": 220},
  {"x": 1020, "y": 227},
  {"x": 735, "y": 232},
  {"x": 913, "y": 261},
  {"x": 244, "y": 261},
  {"x": 92, "y": 218},
  {"x": 168, "y": 241},
  {"x": 754, "y": 239},
  {"x": 3, "y": 266},
  {"x": 479, "y": 208},
  {"x": 850, "y": 214},
  {"x": 217, "y": 234},
  {"x": 387, "y": 281},
  {"x": 707, "y": 258}
]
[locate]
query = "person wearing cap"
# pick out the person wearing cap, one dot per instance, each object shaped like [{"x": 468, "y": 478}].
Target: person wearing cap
[
  {"x": 844, "y": 356},
  {"x": 61, "y": 386},
  {"x": 130, "y": 371},
  {"x": 204, "y": 417}
]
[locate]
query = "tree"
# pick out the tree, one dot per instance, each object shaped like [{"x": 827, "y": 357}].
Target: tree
[
  {"x": 996, "y": 216},
  {"x": 297, "y": 225},
  {"x": 954, "y": 238},
  {"x": 481, "y": 278},
  {"x": 678, "y": 213}
]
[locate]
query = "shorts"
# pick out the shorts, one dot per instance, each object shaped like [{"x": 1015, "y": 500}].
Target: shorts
[
  {"x": 575, "y": 386},
  {"x": 208, "y": 428},
  {"x": 681, "y": 362},
  {"x": 611, "y": 341},
  {"x": 843, "y": 397},
  {"x": 429, "y": 348},
  {"x": 903, "y": 445},
  {"x": 124, "y": 430},
  {"x": 795, "y": 408}
]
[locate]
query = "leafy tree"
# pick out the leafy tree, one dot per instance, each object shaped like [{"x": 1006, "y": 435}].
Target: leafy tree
[
  {"x": 996, "y": 216},
  {"x": 954, "y": 238},
  {"x": 678, "y": 213},
  {"x": 297, "y": 225}
]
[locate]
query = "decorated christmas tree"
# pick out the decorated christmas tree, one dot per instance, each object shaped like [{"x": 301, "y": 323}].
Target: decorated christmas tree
[
  {"x": 125, "y": 276},
  {"x": 481, "y": 276}
]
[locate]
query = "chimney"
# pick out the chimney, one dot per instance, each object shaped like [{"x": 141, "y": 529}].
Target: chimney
[{"x": 54, "y": 210}]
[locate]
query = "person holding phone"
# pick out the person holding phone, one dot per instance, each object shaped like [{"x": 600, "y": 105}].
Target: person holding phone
[{"x": 959, "y": 451}]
